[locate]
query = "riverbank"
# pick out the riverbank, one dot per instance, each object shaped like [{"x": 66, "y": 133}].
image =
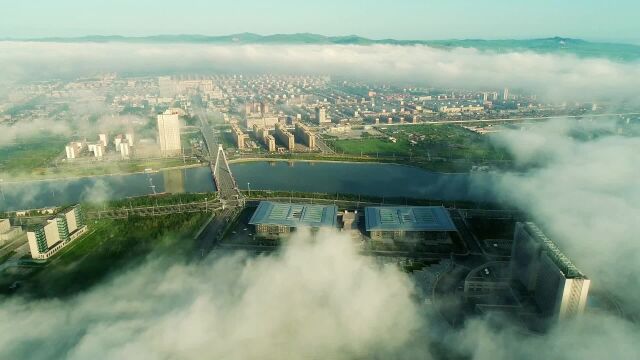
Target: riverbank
[
  {"x": 313, "y": 176},
  {"x": 440, "y": 167},
  {"x": 7, "y": 179},
  {"x": 346, "y": 160}
]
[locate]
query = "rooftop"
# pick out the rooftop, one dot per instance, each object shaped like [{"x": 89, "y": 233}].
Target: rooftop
[
  {"x": 560, "y": 259},
  {"x": 294, "y": 215},
  {"x": 408, "y": 218}
]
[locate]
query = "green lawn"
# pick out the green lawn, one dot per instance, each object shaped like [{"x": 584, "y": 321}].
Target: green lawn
[
  {"x": 111, "y": 246},
  {"x": 162, "y": 199},
  {"x": 31, "y": 155},
  {"x": 431, "y": 141},
  {"x": 373, "y": 146}
]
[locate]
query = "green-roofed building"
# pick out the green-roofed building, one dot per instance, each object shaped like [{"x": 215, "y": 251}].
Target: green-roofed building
[{"x": 273, "y": 220}]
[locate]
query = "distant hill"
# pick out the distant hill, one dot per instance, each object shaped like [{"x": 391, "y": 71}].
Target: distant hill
[{"x": 582, "y": 48}]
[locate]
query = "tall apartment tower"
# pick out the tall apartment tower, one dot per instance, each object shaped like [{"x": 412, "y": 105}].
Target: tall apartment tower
[
  {"x": 321, "y": 115},
  {"x": 505, "y": 94},
  {"x": 285, "y": 137},
  {"x": 239, "y": 137},
  {"x": 104, "y": 139},
  {"x": 305, "y": 135},
  {"x": 559, "y": 289},
  {"x": 169, "y": 134}
]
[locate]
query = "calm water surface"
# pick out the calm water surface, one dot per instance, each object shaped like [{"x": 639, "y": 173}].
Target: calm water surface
[{"x": 355, "y": 178}]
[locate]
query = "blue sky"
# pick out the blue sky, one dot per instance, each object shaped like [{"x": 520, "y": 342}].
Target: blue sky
[{"x": 614, "y": 20}]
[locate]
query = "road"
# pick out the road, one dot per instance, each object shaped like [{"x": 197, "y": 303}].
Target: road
[
  {"x": 210, "y": 140},
  {"x": 320, "y": 144},
  {"x": 213, "y": 232},
  {"x": 222, "y": 176},
  {"x": 225, "y": 184},
  {"x": 543, "y": 118}
]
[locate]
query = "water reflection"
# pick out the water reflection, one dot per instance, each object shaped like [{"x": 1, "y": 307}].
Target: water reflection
[{"x": 366, "y": 179}]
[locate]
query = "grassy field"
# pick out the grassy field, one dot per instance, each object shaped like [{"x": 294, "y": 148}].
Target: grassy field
[
  {"x": 162, "y": 199},
  {"x": 32, "y": 155},
  {"x": 111, "y": 246},
  {"x": 430, "y": 141}
]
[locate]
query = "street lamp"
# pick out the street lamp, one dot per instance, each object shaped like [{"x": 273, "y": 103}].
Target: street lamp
[{"x": 249, "y": 188}]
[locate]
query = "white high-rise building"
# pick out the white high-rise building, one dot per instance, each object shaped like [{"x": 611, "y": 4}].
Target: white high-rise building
[
  {"x": 505, "y": 94},
  {"x": 321, "y": 115},
  {"x": 103, "y": 139},
  {"x": 125, "y": 149},
  {"x": 73, "y": 149},
  {"x": 97, "y": 149},
  {"x": 129, "y": 137},
  {"x": 117, "y": 140},
  {"x": 169, "y": 133}
]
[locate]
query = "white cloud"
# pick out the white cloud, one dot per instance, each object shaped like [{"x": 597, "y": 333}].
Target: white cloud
[
  {"x": 586, "y": 193},
  {"x": 561, "y": 76},
  {"x": 317, "y": 299}
]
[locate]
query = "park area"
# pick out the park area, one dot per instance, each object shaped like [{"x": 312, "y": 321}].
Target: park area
[
  {"x": 427, "y": 142},
  {"x": 30, "y": 156}
]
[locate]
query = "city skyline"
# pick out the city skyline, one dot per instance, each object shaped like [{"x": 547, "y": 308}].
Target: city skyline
[{"x": 496, "y": 19}]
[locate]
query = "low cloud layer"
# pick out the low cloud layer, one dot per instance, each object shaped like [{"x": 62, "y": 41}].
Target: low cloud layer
[
  {"x": 76, "y": 124},
  {"x": 593, "y": 336},
  {"x": 585, "y": 192},
  {"x": 564, "y": 77},
  {"x": 315, "y": 300}
]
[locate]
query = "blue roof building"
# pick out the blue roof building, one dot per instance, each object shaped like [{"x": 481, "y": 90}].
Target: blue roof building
[
  {"x": 274, "y": 218},
  {"x": 408, "y": 218}
]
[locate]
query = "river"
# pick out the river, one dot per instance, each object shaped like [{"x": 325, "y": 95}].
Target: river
[{"x": 388, "y": 180}]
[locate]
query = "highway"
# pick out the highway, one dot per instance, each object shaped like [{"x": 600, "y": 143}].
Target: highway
[
  {"x": 210, "y": 140},
  {"x": 225, "y": 184},
  {"x": 213, "y": 231},
  {"x": 222, "y": 176}
]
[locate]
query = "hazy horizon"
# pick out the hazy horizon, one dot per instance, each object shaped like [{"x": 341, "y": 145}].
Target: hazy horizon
[
  {"x": 621, "y": 41},
  {"x": 408, "y": 19}
]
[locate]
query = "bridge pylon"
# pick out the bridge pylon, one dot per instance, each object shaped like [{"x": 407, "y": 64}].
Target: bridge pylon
[{"x": 218, "y": 177}]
